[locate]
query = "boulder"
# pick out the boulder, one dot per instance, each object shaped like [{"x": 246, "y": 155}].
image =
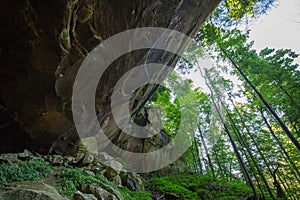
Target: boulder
[
  {"x": 99, "y": 192},
  {"x": 87, "y": 159},
  {"x": 30, "y": 190},
  {"x": 112, "y": 171},
  {"x": 172, "y": 196},
  {"x": 88, "y": 144},
  {"x": 25, "y": 155},
  {"x": 112, "y": 190},
  {"x": 56, "y": 160},
  {"x": 132, "y": 181},
  {"x": 9, "y": 157},
  {"x": 103, "y": 157},
  {"x": 82, "y": 196},
  {"x": 37, "y": 158},
  {"x": 70, "y": 160},
  {"x": 117, "y": 166},
  {"x": 102, "y": 192}
]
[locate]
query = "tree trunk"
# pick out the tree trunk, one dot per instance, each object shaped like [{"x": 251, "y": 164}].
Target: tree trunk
[
  {"x": 43, "y": 44},
  {"x": 246, "y": 145},
  {"x": 288, "y": 159},
  {"x": 207, "y": 153},
  {"x": 235, "y": 149},
  {"x": 281, "y": 123},
  {"x": 214, "y": 153},
  {"x": 198, "y": 160}
]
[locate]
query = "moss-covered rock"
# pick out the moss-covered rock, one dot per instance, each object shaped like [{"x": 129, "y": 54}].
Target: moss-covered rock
[{"x": 30, "y": 190}]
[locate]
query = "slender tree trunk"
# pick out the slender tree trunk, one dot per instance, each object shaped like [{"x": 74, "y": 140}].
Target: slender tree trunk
[
  {"x": 281, "y": 123},
  {"x": 256, "y": 145},
  {"x": 293, "y": 167},
  {"x": 286, "y": 187},
  {"x": 204, "y": 161},
  {"x": 198, "y": 156},
  {"x": 194, "y": 158},
  {"x": 243, "y": 143},
  {"x": 287, "y": 157},
  {"x": 240, "y": 160},
  {"x": 243, "y": 167},
  {"x": 289, "y": 97},
  {"x": 218, "y": 163},
  {"x": 279, "y": 191},
  {"x": 207, "y": 153}
]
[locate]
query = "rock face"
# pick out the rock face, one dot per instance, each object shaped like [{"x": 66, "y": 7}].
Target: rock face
[
  {"x": 30, "y": 190},
  {"x": 42, "y": 46}
]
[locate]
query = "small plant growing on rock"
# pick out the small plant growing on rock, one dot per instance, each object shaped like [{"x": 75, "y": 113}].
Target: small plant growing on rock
[{"x": 24, "y": 171}]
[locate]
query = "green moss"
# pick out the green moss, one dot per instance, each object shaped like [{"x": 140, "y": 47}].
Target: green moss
[
  {"x": 135, "y": 195},
  {"x": 70, "y": 179},
  {"x": 24, "y": 171},
  {"x": 165, "y": 185},
  {"x": 195, "y": 186}
]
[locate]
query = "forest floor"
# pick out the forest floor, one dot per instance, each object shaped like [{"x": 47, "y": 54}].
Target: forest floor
[{"x": 85, "y": 178}]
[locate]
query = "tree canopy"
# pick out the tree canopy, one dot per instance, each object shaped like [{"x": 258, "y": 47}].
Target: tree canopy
[{"x": 247, "y": 130}]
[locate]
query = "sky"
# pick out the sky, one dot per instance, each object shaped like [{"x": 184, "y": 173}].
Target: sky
[{"x": 278, "y": 28}]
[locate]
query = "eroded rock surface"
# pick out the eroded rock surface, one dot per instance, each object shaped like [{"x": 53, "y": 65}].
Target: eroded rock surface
[
  {"x": 29, "y": 190},
  {"x": 42, "y": 46}
]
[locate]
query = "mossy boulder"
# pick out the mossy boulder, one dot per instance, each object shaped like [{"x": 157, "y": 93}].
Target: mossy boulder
[{"x": 30, "y": 190}]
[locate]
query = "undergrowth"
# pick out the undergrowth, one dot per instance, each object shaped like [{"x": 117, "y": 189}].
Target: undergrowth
[
  {"x": 194, "y": 186},
  {"x": 24, "y": 171},
  {"x": 70, "y": 180}
]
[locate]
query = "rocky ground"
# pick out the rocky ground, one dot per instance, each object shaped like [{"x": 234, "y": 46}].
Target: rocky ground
[
  {"x": 83, "y": 177},
  {"x": 87, "y": 176}
]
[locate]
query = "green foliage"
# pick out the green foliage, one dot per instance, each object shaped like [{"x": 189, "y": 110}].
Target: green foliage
[
  {"x": 254, "y": 131},
  {"x": 229, "y": 14},
  {"x": 24, "y": 171},
  {"x": 232, "y": 12},
  {"x": 164, "y": 185},
  {"x": 195, "y": 186},
  {"x": 135, "y": 195},
  {"x": 70, "y": 179},
  {"x": 177, "y": 99},
  {"x": 276, "y": 76},
  {"x": 273, "y": 72}
]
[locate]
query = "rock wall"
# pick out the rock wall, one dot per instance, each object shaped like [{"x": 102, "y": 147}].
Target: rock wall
[{"x": 41, "y": 47}]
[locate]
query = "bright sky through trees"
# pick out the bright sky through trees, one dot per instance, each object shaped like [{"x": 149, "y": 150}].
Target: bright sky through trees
[{"x": 279, "y": 28}]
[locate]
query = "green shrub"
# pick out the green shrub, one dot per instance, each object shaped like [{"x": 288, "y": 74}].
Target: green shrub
[
  {"x": 24, "y": 171},
  {"x": 70, "y": 179}
]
